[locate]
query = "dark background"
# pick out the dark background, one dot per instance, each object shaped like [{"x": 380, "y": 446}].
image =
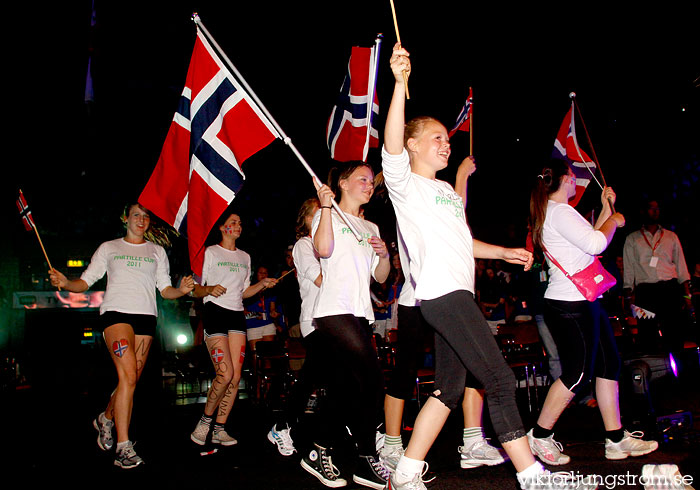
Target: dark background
[{"x": 634, "y": 72}]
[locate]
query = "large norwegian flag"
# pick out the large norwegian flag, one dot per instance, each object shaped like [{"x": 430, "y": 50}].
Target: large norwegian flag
[
  {"x": 217, "y": 126},
  {"x": 566, "y": 148},
  {"x": 464, "y": 119},
  {"x": 347, "y": 134}
]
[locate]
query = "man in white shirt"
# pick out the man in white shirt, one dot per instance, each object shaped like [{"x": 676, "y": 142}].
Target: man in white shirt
[{"x": 656, "y": 279}]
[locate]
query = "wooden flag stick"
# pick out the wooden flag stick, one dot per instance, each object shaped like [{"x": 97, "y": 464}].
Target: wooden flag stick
[
  {"x": 398, "y": 38},
  {"x": 290, "y": 270},
  {"x": 572, "y": 95},
  {"x": 41, "y": 244}
]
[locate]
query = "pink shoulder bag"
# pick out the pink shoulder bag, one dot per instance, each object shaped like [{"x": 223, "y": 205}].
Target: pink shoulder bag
[{"x": 592, "y": 281}]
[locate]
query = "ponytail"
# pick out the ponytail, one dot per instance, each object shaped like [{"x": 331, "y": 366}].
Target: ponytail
[{"x": 547, "y": 183}]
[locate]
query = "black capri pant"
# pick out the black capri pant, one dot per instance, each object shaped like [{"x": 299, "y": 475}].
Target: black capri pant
[
  {"x": 585, "y": 341},
  {"x": 355, "y": 376},
  {"x": 470, "y": 346}
]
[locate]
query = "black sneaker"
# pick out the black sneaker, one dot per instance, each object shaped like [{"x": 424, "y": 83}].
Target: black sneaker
[
  {"x": 370, "y": 473},
  {"x": 318, "y": 462}
]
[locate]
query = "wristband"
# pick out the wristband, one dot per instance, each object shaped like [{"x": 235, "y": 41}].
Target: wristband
[{"x": 326, "y": 207}]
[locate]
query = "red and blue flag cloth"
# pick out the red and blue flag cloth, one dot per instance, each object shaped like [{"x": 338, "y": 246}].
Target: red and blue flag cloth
[
  {"x": 217, "y": 126},
  {"x": 464, "y": 119},
  {"x": 347, "y": 134},
  {"x": 566, "y": 148},
  {"x": 24, "y": 212}
]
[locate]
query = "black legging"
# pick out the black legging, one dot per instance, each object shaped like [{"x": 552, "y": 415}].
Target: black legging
[
  {"x": 585, "y": 341},
  {"x": 413, "y": 332},
  {"x": 355, "y": 376},
  {"x": 458, "y": 320}
]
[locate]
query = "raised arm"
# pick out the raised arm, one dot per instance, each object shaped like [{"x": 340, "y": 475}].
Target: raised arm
[
  {"x": 323, "y": 237},
  {"x": 395, "y": 120}
]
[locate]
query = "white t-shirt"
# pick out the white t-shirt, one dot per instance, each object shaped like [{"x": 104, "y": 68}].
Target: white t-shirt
[
  {"x": 407, "y": 296},
  {"x": 573, "y": 242},
  {"x": 346, "y": 273},
  {"x": 133, "y": 273},
  {"x": 430, "y": 215},
  {"x": 229, "y": 268},
  {"x": 308, "y": 267}
]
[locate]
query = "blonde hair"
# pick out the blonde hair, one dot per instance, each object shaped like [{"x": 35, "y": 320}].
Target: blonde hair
[
  {"x": 414, "y": 127},
  {"x": 158, "y": 232}
]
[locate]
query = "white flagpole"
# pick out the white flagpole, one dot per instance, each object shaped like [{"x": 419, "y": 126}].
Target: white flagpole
[
  {"x": 370, "y": 93},
  {"x": 287, "y": 140}
]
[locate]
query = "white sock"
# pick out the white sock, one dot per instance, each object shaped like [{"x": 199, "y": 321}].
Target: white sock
[
  {"x": 122, "y": 445},
  {"x": 530, "y": 472},
  {"x": 407, "y": 469}
]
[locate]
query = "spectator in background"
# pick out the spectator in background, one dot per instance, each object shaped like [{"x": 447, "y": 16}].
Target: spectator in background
[
  {"x": 491, "y": 297},
  {"x": 288, "y": 298},
  {"x": 656, "y": 279},
  {"x": 261, "y": 313}
]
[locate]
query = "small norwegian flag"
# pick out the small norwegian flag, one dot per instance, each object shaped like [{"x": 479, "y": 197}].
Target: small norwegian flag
[
  {"x": 25, "y": 212},
  {"x": 464, "y": 122}
]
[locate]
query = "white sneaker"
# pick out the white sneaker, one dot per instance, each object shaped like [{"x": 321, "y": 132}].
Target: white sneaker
[
  {"x": 480, "y": 453},
  {"x": 283, "y": 439},
  {"x": 390, "y": 456},
  {"x": 200, "y": 433},
  {"x": 547, "y": 449},
  {"x": 630, "y": 445},
  {"x": 664, "y": 477},
  {"x": 416, "y": 483},
  {"x": 220, "y": 436}
]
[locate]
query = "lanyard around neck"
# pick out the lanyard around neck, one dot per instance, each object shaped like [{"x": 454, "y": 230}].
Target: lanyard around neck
[{"x": 653, "y": 249}]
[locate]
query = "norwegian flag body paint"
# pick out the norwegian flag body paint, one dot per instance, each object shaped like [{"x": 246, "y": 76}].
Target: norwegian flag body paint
[
  {"x": 464, "y": 119},
  {"x": 346, "y": 134},
  {"x": 119, "y": 347},
  {"x": 24, "y": 212},
  {"x": 217, "y": 126},
  {"x": 217, "y": 355},
  {"x": 566, "y": 148}
]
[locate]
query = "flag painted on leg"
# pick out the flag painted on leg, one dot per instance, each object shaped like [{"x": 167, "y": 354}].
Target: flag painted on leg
[
  {"x": 566, "y": 148},
  {"x": 217, "y": 126},
  {"x": 24, "y": 212},
  {"x": 464, "y": 119},
  {"x": 346, "y": 134}
]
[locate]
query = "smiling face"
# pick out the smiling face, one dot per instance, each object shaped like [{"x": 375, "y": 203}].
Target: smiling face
[
  {"x": 431, "y": 146},
  {"x": 137, "y": 221},
  {"x": 358, "y": 186},
  {"x": 232, "y": 227}
]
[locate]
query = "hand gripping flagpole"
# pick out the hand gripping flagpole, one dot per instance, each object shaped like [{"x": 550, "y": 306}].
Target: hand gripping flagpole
[
  {"x": 572, "y": 96},
  {"x": 287, "y": 140},
  {"x": 398, "y": 38}
]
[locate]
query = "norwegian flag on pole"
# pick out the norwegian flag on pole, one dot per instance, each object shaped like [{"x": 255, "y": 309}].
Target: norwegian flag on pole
[
  {"x": 566, "y": 148},
  {"x": 464, "y": 119},
  {"x": 25, "y": 212},
  {"x": 349, "y": 134},
  {"x": 217, "y": 126}
]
